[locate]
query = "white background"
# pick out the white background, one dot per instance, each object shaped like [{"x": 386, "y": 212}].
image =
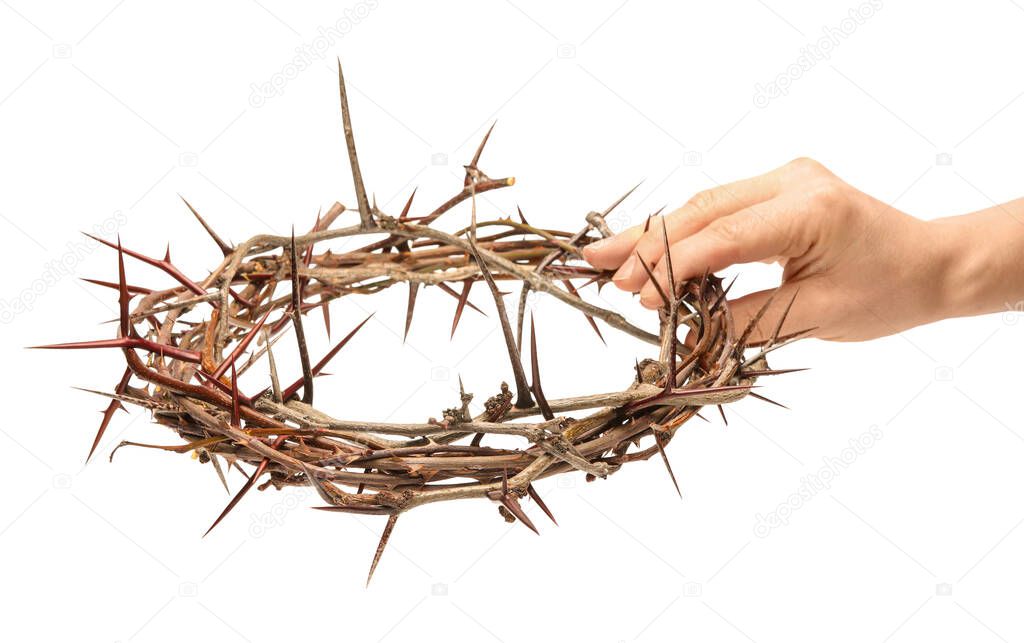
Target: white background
[{"x": 109, "y": 109}]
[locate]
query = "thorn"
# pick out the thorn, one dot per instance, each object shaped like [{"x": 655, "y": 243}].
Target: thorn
[
  {"x": 590, "y": 318},
  {"x": 414, "y": 288},
  {"x": 782, "y": 319},
  {"x": 657, "y": 286},
  {"x": 224, "y": 247},
  {"x": 523, "y": 398},
  {"x": 316, "y": 369},
  {"x": 300, "y": 335},
  {"x": 448, "y": 289},
  {"x": 752, "y": 324},
  {"x": 384, "y": 537},
  {"x": 722, "y": 411},
  {"x": 466, "y": 285},
  {"x": 123, "y": 296},
  {"x": 408, "y": 204},
  {"x": 769, "y": 400},
  {"x": 480, "y": 148},
  {"x": 542, "y": 402},
  {"x": 108, "y": 413},
  {"x": 238, "y": 496},
  {"x": 511, "y": 502},
  {"x": 620, "y": 199},
  {"x": 236, "y": 415},
  {"x": 540, "y": 503},
  {"x": 670, "y": 272},
  {"x": 521, "y": 217},
  {"x": 135, "y": 290},
  {"x": 237, "y": 351},
  {"x": 365, "y": 216},
  {"x": 664, "y": 458}
]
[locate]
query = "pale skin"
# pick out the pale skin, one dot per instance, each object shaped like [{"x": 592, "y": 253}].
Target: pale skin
[{"x": 862, "y": 269}]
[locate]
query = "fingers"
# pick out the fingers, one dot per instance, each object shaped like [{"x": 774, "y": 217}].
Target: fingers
[
  {"x": 699, "y": 212},
  {"x": 608, "y": 254},
  {"x": 752, "y": 234}
]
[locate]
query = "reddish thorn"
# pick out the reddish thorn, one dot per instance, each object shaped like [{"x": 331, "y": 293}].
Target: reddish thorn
[{"x": 540, "y": 503}]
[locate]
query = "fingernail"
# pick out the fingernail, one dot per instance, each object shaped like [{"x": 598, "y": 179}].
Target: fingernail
[{"x": 626, "y": 270}]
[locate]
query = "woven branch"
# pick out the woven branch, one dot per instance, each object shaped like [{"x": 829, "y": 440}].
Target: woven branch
[{"x": 187, "y": 371}]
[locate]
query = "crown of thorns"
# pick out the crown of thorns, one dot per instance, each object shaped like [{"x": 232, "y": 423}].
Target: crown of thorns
[{"x": 188, "y": 371}]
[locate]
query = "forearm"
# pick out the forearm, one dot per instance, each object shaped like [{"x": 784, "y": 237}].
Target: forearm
[{"x": 985, "y": 260}]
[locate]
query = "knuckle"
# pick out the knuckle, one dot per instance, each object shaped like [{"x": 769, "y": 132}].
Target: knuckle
[
  {"x": 805, "y": 167},
  {"x": 827, "y": 195},
  {"x": 703, "y": 201},
  {"x": 727, "y": 230}
]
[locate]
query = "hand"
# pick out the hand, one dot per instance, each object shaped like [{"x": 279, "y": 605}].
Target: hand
[{"x": 863, "y": 269}]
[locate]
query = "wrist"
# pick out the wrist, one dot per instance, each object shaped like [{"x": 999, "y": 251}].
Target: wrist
[{"x": 976, "y": 271}]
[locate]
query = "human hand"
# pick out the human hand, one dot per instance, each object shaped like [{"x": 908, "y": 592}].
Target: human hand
[{"x": 863, "y": 269}]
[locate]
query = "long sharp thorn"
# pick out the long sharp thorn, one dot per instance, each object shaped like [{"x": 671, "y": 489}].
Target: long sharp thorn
[
  {"x": 388, "y": 528},
  {"x": 782, "y": 318},
  {"x": 224, "y": 247},
  {"x": 654, "y": 282},
  {"x": 135, "y": 290},
  {"x": 523, "y": 397},
  {"x": 647, "y": 223},
  {"x": 512, "y": 504},
  {"x": 521, "y": 315},
  {"x": 521, "y": 217},
  {"x": 769, "y": 371},
  {"x": 156, "y": 263},
  {"x": 365, "y": 215},
  {"x": 664, "y": 458},
  {"x": 108, "y": 413},
  {"x": 300, "y": 335},
  {"x": 408, "y": 205},
  {"x": 590, "y": 318},
  {"x": 480, "y": 148},
  {"x": 220, "y": 471},
  {"x": 721, "y": 410},
  {"x": 240, "y": 348},
  {"x": 540, "y": 503},
  {"x": 768, "y": 400},
  {"x": 123, "y": 296},
  {"x": 538, "y": 392},
  {"x": 324, "y": 301},
  {"x": 414, "y": 287},
  {"x": 463, "y": 298},
  {"x": 752, "y": 324},
  {"x": 319, "y": 366},
  {"x": 238, "y": 496},
  {"x": 670, "y": 273},
  {"x": 449, "y": 290},
  {"x": 619, "y": 201},
  {"x": 236, "y": 415},
  {"x": 721, "y": 297}
]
